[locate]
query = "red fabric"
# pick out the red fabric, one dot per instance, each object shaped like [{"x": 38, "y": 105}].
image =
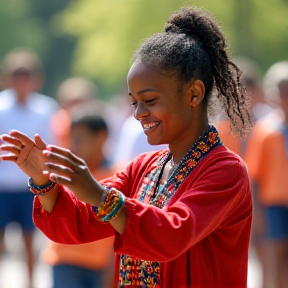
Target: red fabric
[{"x": 201, "y": 237}]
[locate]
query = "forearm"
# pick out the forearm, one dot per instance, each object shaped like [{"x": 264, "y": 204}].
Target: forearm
[
  {"x": 119, "y": 222},
  {"x": 49, "y": 200}
]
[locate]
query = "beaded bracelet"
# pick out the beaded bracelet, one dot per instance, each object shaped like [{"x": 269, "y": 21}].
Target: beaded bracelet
[
  {"x": 110, "y": 207},
  {"x": 40, "y": 190}
]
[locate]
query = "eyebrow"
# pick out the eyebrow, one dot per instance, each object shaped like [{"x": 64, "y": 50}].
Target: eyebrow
[{"x": 144, "y": 91}]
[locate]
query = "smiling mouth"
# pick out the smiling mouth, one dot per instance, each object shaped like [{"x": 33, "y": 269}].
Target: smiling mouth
[{"x": 149, "y": 126}]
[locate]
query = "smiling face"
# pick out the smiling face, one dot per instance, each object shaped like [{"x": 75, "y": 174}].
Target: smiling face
[{"x": 165, "y": 114}]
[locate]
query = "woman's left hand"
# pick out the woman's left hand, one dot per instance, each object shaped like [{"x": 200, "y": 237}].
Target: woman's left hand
[{"x": 67, "y": 169}]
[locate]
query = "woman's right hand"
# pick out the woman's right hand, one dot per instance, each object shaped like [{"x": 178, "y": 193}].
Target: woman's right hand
[{"x": 26, "y": 153}]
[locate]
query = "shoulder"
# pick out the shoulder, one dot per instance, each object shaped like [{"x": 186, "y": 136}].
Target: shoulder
[
  {"x": 43, "y": 103},
  {"x": 268, "y": 124},
  {"x": 223, "y": 154},
  {"x": 149, "y": 157},
  {"x": 223, "y": 163},
  {"x": 7, "y": 99}
]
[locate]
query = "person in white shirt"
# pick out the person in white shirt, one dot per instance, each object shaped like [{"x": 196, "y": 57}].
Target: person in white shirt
[{"x": 21, "y": 108}]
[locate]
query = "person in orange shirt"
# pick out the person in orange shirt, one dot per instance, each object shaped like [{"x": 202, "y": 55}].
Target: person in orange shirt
[
  {"x": 85, "y": 265},
  {"x": 258, "y": 107},
  {"x": 248, "y": 149},
  {"x": 267, "y": 161}
]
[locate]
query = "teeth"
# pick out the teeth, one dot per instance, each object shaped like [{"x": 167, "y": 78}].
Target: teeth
[{"x": 150, "y": 125}]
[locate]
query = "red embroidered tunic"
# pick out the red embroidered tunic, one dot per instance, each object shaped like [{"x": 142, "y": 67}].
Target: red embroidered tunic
[{"x": 200, "y": 238}]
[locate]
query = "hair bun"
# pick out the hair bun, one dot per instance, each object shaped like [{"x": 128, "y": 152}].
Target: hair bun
[
  {"x": 173, "y": 28},
  {"x": 194, "y": 22}
]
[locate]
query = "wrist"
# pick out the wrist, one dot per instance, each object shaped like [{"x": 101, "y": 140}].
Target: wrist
[
  {"x": 110, "y": 206},
  {"x": 98, "y": 198},
  {"x": 40, "y": 189},
  {"x": 40, "y": 180}
]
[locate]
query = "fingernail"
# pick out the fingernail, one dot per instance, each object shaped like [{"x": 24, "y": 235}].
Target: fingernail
[
  {"x": 48, "y": 147},
  {"x": 53, "y": 178},
  {"x": 46, "y": 152}
]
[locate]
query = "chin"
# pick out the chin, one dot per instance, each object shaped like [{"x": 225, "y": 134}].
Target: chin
[{"x": 155, "y": 142}]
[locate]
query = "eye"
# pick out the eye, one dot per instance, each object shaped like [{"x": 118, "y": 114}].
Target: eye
[
  {"x": 151, "y": 100},
  {"x": 133, "y": 104}
]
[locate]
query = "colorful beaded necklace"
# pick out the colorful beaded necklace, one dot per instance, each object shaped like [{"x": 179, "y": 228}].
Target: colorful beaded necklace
[{"x": 205, "y": 143}]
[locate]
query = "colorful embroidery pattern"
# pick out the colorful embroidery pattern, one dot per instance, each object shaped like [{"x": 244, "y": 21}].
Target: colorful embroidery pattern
[
  {"x": 205, "y": 143},
  {"x": 148, "y": 186},
  {"x": 146, "y": 274},
  {"x": 135, "y": 272},
  {"x": 138, "y": 273}
]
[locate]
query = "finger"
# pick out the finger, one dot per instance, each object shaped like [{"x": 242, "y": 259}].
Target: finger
[
  {"x": 60, "y": 179},
  {"x": 59, "y": 170},
  {"x": 66, "y": 153},
  {"x": 24, "y": 139},
  {"x": 39, "y": 142},
  {"x": 12, "y": 140},
  {"x": 10, "y": 149},
  {"x": 58, "y": 159},
  {"x": 7, "y": 157}
]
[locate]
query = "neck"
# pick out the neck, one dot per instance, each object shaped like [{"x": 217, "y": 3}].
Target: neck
[
  {"x": 180, "y": 148},
  {"x": 21, "y": 97}
]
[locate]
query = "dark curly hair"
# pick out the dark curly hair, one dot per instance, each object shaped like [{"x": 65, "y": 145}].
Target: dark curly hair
[{"x": 193, "y": 47}]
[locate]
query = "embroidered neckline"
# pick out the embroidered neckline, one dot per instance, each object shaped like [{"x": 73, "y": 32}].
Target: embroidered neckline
[{"x": 204, "y": 144}]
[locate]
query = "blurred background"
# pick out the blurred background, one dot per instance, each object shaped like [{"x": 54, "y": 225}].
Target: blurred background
[{"x": 95, "y": 40}]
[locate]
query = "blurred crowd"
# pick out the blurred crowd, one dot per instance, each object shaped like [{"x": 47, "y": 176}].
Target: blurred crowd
[{"x": 107, "y": 137}]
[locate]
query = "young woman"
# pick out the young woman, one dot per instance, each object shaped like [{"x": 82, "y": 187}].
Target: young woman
[{"x": 181, "y": 216}]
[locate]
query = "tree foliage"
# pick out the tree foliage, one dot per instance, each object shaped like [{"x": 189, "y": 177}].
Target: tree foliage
[{"x": 109, "y": 31}]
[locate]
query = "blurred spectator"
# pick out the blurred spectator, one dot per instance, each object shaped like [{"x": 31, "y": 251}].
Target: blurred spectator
[
  {"x": 246, "y": 148},
  {"x": 254, "y": 85},
  {"x": 21, "y": 108},
  {"x": 268, "y": 166},
  {"x": 72, "y": 91},
  {"x": 88, "y": 265},
  {"x": 252, "y": 79}
]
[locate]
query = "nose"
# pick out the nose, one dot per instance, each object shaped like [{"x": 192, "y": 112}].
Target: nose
[{"x": 141, "y": 111}]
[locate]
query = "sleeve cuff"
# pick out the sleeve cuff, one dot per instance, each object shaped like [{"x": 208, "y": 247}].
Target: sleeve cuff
[
  {"x": 126, "y": 238},
  {"x": 38, "y": 210}
]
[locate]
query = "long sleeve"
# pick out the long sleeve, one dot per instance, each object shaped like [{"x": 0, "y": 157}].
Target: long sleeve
[{"x": 72, "y": 221}]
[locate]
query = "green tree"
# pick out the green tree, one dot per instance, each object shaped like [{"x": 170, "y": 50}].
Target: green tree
[{"x": 109, "y": 31}]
